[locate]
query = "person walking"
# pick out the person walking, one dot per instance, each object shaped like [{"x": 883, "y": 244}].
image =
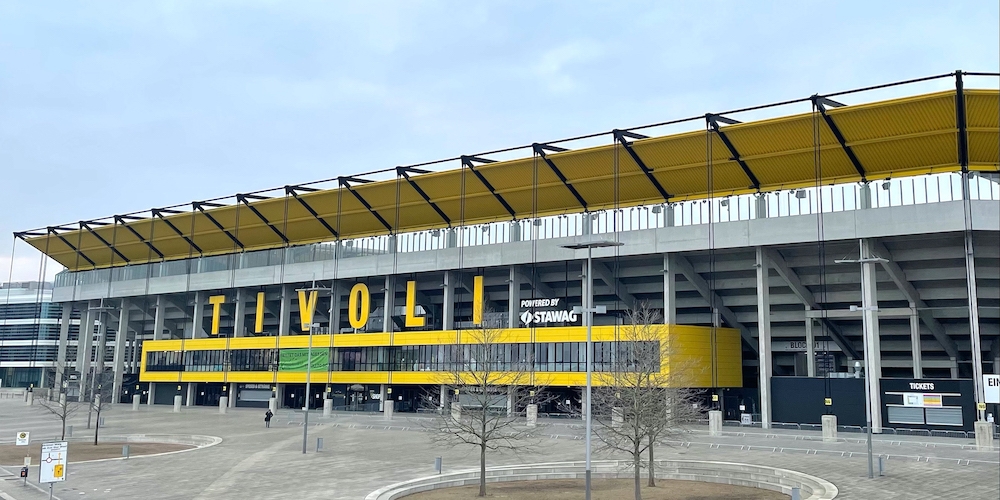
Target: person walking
[{"x": 267, "y": 418}]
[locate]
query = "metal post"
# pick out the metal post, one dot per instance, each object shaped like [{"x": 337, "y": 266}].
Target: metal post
[
  {"x": 305, "y": 421},
  {"x": 589, "y": 318}
]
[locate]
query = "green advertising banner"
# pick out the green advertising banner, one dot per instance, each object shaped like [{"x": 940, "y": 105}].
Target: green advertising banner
[{"x": 294, "y": 360}]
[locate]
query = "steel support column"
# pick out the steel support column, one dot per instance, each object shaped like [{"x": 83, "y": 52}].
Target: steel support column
[
  {"x": 513, "y": 298},
  {"x": 669, "y": 291},
  {"x": 121, "y": 340},
  {"x": 915, "y": 349},
  {"x": 285, "y": 310},
  {"x": 159, "y": 317},
  {"x": 764, "y": 337},
  {"x": 198, "y": 316},
  {"x": 389, "y": 302},
  {"x": 83, "y": 346},
  {"x": 810, "y": 345},
  {"x": 240, "y": 316},
  {"x": 448, "y": 301},
  {"x": 64, "y": 324}
]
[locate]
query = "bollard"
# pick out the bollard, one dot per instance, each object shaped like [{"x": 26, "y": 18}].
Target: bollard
[
  {"x": 881, "y": 465},
  {"x": 319, "y": 444},
  {"x": 714, "y": 423},
  {"x": 327, "y": 407},
  {"x": 272, "y": 404},
  {"x": 223, "y": 404},
  {"x": 796, "y": 493},
  {"x": 437, "y": 464},
  {"x": 30, "y": 399},
  {"x": 178, "y": 399},
  {"x": 531, "y": 415},
  {"x": 69, "y": 430},
  {"x": 136, "y": 400},
  {"x": 387, "y": 408},
  {"x": 125, "y": 451}
]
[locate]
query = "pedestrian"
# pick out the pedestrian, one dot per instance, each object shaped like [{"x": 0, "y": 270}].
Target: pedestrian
[{"x": 267, "y": 418}]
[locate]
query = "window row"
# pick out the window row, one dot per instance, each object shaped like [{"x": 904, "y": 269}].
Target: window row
[{"x": 537, "y": 357}]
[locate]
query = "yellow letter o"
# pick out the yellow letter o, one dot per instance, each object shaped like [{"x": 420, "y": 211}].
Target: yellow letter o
[{"x": 357, "y": 313}]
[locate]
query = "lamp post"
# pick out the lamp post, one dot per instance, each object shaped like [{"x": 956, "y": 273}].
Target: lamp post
[
  {"x": 870, "y": 314},
  {"x": 313, "y": 328},
  {"x": 588, "y": 311}
]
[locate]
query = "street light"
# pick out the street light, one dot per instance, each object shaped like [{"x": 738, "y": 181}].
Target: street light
[
  {"x": 865, "y": 326},
  {"x": 588, "y": 311},
  {"x": 313, "y": 327}
]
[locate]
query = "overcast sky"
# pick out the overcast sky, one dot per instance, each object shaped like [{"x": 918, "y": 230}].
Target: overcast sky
[{"x": 113, "y": 107}]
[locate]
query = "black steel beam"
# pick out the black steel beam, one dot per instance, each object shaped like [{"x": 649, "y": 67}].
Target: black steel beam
[
  {"x": 200, "y": 206},
  {"x": 467, "y": 161},
  {"x": 963, "y": 132},
  {"x": 52, "y": 230},
  {"x": 242, "y": 198},
  {"x": 405, "y": 173},
  {"x": 821, "y": 103},
  {"x": 86, "y": 225},
  {"x": 158, "y": 212},
  {"x": 540, "y": 151},
  {"x": 346, "y": 183},
  {"x": 121, "y": 220},
  {"x": 620, "y": 136},
  {"x": 292, "y": 191},
  {"x": 713, "y": 121}
]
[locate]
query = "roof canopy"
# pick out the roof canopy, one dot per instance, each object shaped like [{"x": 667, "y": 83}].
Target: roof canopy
[{"x": 909, "y": 136}]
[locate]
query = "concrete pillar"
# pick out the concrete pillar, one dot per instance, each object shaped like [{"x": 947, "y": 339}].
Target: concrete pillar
[
  {"x": 198, "y": 317},
  {"x": 443, "y": 396},
  {"x": 159, "y": 316},
  {"x": 177, "y": 403},
  {"x": 761, "y": 204},
  {"x": 388, "y": 304},
  {"x": 510, "y": 401},
  {"x": 102, "y": 343},
  {"x": 451, "y": 238},
  {"x": 223, "y": 404},
  {"x": 240, "y": 314},
  {"x": 668, "y": 215},
  {"x": 29, "y": 398},
  {"x": 335, "y": 294},
  {"x": 390, "y": 244},
  {"x": 151, "y": 394},
  {"x": 272, "y": 404},
  {"x": 83, "y": 345},
  {"x": 583, "y": 404},
  {"x": 456, "y": 410},
  {"x": 232, "y": 394},
  {"x": 764, "y": 336},
  {"x": 136, "y": 401},
  {"x": 873, "y": 349},
  {"x": 285, "y": 310},
  {"x": 829, "y": 428},
  {"x": 915, "y": 349},
  {"x": 515, "y": 231},
  {"x": 588, "y": 223},
  {"x": 865, "y": 196},
  {"x": 810, "y": 345},
  {"x": 617, "y": 417},
  {"x": 448, "y": 302},
  {"x": 121, "y": 341},
  {"x": 715, "y": 423},
  {"x": 64, "y": 323},
  {"x": 191, "y": 394},
  {"x": 669, "y": 291},
  {"x": 513, "y": 298},
  {"x": 387, "y": 409},
  {"x": 327, "y": 407},
  {"x": 984, "y": 435},
  {"x": 531, "y": 413},
  {"x": 382, "y": 396}
]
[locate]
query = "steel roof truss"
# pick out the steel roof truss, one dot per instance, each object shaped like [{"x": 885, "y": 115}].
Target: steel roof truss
[
  {"x": 620, "y": 136},
  {"x": 346, "y": 183},
  {"x": 86, "y": 225},
  {"x": 960, "y": 123},
  {"x": 120, "y": 219},
  {"x": 713, "y": 121},
  {"x": 405, "y": 173},
  {"x": 243, "y": 199},
  {"x": 52, "y": 230},
  {"x": 540, "y": 151},
  {"x": 292, "y": 191},
  {"x": 821, "y": 103},
  {"x": 200, "y": 205},
  {"x": 467, "y": 161},
  {"x": 158, "y": 212}
]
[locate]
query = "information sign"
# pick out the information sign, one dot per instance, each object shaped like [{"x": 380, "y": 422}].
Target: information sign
[
  {"x": 746, "y": 419},
  {"x": 991, "y": 387},
  {"x": 52, "y": 466},
  {"x": 23, "y": 439}
]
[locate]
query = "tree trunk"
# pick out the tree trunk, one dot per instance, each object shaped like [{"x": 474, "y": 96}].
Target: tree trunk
[
  {"x": 650, "y": 465},
  {"x": 63, "y": 436},
  {"x": 97, "y": 428},
  {"x": 482, "y": 469},
  {"x": 637, "y": 482}
]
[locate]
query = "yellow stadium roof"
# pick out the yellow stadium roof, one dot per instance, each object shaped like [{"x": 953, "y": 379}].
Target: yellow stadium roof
[{"x": 900, "y": 137}]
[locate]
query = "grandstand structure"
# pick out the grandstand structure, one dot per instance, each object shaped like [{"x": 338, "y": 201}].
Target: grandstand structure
[{"x": 784, "y": 255}]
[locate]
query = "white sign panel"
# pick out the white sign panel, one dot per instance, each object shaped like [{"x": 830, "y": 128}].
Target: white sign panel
[
  {"x": 52, "y": 466},
  {"x": 746, "y": 419},
  {"x": 23, "y": 439},
  {"x": 534, "y": 317},
  {"x": 991, "y": 388}
]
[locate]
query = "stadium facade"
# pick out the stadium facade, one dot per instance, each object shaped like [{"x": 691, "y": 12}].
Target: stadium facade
[{"x": 792, "y": 259}]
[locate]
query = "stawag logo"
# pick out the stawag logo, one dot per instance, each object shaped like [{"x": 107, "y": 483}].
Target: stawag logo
[{"x": 530, "y": 317}]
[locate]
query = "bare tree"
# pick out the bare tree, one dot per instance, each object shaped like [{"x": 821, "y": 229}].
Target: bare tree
[
  {"x": 641, "y": 396},
  {"x": 62, "y": 409},
  {"x": 102, "y": 397},
  {"x": 491, "y": 380}
]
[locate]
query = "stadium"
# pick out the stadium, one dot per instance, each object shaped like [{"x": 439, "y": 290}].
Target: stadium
[{"x": 792, "y": 260}]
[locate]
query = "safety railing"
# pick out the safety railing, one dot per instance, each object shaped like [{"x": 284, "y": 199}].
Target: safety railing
[{"x": 904, "y": 191}]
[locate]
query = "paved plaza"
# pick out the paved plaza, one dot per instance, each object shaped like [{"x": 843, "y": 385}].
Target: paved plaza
[{"x": 364, "y": 452}]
